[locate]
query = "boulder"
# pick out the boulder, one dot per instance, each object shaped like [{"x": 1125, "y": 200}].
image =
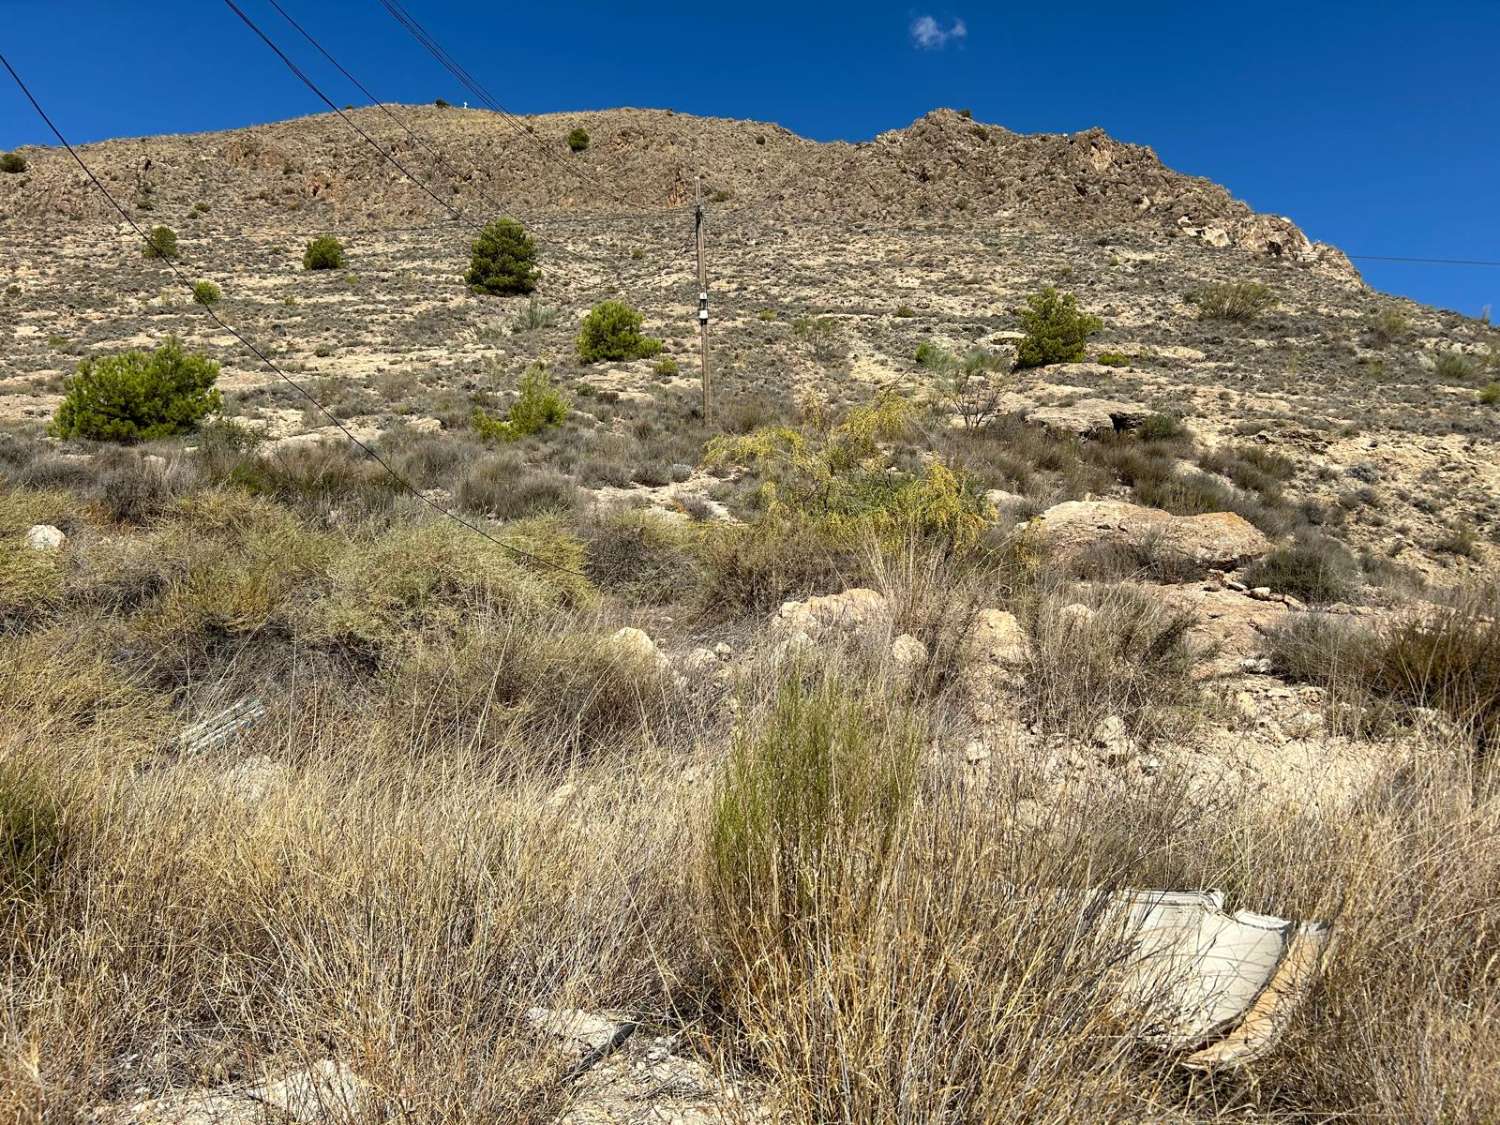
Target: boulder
[
  {"x": 1089, "y": 417},
  {"x": 1214, "y": 540},
  {"x": 854, "y": 613},
  {"x": 997, "y": 638},
  {"x": 909, "y": 656},
  {"x": 45, "y": 537},
  {"x": 635, "y": 644}
]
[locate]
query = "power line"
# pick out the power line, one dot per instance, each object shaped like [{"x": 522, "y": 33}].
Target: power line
[
  {"x": 1424, "y": 261},
  {"x": 427, "y": 144},
  {"x": 208, "y": 310},
  {"x": 470, "y": 83},
  {"x": 379, "y": 148}
]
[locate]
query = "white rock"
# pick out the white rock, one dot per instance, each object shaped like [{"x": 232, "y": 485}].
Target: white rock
[
  {"x": 701, "y": 662},
  {"x": 251, "y": 780},
  {"x": 587, "y": 1031},
  {"x": 997, "y": 638},
  {"x": 45, "y": 537},
  {"x": 1075, "y": 615},
  {"x": 909, "y": 654},
  {"x": 1113, "y": 739},
  {"x": 636, "y": 644},
  {"x": 856, "y": 612}
]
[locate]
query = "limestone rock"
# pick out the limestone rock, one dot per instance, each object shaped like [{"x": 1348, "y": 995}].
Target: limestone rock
[
  {"x": 1089, "y": 417},
  {"x": 45, "y": 537},
  {"x": 1214, "y": 540},
  {"x": 909, "y": 655},
  {"x": 854, "y": 613},
  {"x": 327, "y": 1091},
  {"x": 997, "y": 638},
  {"x": 636, "y": 644},
  {"x": 576, "y": 1028},
  {"x": 1075, "y": 615},
  {"x": 1113, "y": 740}
]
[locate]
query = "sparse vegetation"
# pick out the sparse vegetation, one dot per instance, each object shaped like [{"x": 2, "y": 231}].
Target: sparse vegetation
[
  {"x": 820, "y": 336},
  {"x": 503, "y": 260},
  {"x": 612, "y": 331},
  {"x": 538, "y": 407},
  {"x": 1237, "y": 301},
  {"x": 845, "y": 861},
  {"x": 161, "y": 244},
  {"x": 138, "y": 396},
  {"x": 1056, "y": 331},
  {"x": 324, "y": 253},
  {"x": 1314, "y": 569},
  {"x": 1452, "y": 366},
  {"x": 1389, "y": 326}
]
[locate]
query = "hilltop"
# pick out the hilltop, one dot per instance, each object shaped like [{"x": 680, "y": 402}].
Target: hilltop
[{"x": 943, "y": 166}]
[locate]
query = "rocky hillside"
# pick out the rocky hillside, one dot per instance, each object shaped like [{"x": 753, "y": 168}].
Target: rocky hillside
[{"x": 941, "y": 167}]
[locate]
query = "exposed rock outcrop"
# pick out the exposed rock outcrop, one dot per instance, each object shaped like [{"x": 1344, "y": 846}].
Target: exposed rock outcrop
[{"x": 1214, "y": 540}]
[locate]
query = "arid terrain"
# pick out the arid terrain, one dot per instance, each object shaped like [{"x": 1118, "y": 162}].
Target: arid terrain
[{"x": 768, "y": 766}]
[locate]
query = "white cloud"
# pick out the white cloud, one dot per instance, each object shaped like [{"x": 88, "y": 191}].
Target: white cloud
[{"x": 929, "y": 35}]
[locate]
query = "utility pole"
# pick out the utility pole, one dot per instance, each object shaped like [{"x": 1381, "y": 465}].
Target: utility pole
[{"x": 702, "y": 301}]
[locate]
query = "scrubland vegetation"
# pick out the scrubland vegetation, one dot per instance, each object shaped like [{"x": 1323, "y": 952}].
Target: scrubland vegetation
[
  {"x": 838, "y": 923},
  {"x": 847, "y": 883}
]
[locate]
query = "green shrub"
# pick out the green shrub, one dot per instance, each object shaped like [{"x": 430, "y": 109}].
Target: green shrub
[
  {"x": 821, "y": 336},
  {"x": 1313, "y": 568},
  {"x": 1162, "y": 427},
  {"x": 324, "y": 253},
  {"x": 1453, "y": 366},
  {"x": 1388, "y": 326},
  {"x": 905, "y": 312},
  {"x": 933, "y": 355},
  {"x": 578, "y": 140},
  {"x": 612, "y": 330},
  {"x": 666, "y": 366},
  {"x": 206, "y": 293},
  {"x": 538, "y": 407},
  {"x": 1114, "y": 359},
  {"x": 1240, "y": 301},
  {"x": 1056, "y": 331},
  {"x": 503, "y": 260},
  {"x": 1490, "y": 394},
  {"x": 534, "y": 316},
  {"x": 441, "y": 103},
  {"x": 138, "y": 396},
  {"x": 12, "y": 163},
  {"x": 161, "y": 243},
  {"x": 806, "y": 824}
]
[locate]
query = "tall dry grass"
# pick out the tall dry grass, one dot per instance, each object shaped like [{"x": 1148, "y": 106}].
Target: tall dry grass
[{"x": 840, "y": 918}]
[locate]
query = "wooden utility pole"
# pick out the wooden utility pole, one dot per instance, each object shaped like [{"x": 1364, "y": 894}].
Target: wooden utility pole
[{"x": 702, "y": 302}]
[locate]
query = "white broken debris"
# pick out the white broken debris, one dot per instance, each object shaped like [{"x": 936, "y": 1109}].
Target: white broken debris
[
  {"x": 1222, "y": 986},
  {"x": 222, "y": 728}
]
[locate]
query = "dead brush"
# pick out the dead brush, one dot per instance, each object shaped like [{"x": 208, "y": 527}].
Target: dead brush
[
  {"x": 881, "y": 957},
  {"x": 1129, "y": 657}
]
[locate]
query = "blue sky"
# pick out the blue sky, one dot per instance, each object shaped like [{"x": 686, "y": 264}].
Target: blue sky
[{"x": 1375, "y": 127}]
